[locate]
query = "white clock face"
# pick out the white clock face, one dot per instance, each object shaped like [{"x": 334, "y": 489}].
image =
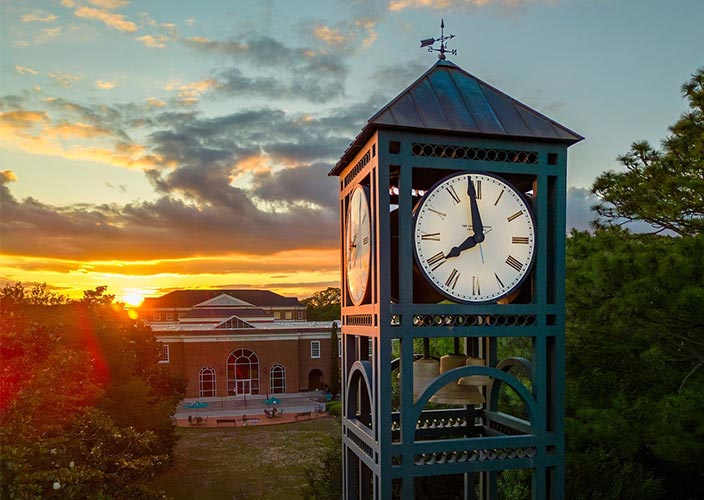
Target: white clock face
[
  {"x": 474, "y": 237},
  {"x": 358, "y": 245}
]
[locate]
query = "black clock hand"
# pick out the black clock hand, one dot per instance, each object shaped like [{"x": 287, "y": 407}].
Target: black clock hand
[
  {"x": 465, "y": 245},
  {"x": 474, "y": 209}
]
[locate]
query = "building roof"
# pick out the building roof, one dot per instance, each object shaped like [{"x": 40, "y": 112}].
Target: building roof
[
  {"x": 190, "y": 298},
  {"x": 448, "y": 99}
]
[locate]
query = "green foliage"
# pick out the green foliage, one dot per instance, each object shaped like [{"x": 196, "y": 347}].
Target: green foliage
[
  {"x": 334, "y": 385},
  {"x": 334, "y": 408},
  {"x": 635, "y": 382},
  {"x": 323, "y": 305},
  {"x": 85, "y": 408},
  {"x": 663, "y": 188},
  {"x": 324, "y": 480}
]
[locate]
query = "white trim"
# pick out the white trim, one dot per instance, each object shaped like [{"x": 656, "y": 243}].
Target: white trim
[
  {"x": 188, "y": 339},
  {"x": 315, "y": 345}
]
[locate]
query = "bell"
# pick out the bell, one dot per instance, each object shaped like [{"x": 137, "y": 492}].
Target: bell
[
  {"x": 453, "y": 393},
  {"x": 475, "y": 380},
  {"x": 425, "y": 370}
]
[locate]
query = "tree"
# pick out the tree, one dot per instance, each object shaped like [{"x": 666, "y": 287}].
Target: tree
[
  {"x": 663, "y": 188},
  {"x": 85, "y": 409},
  {"x": 334, "y": 361},
  {"x": 635, "y": 358},
  {"x": 323, "y": 305}
]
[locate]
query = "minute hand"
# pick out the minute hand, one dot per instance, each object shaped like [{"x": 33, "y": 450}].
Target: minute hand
[{"x": 474, "y": 209}]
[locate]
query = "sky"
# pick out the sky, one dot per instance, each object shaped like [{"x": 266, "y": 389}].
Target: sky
[{"x": 151, "y": 146}]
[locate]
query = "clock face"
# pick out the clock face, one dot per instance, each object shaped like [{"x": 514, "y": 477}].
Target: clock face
[
  {"x": 474, "y": 237},
  {"x": 358, "y": 245}
]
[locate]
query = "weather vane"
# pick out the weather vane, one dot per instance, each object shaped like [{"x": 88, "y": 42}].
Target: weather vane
[{"x": 428, "y": 42}]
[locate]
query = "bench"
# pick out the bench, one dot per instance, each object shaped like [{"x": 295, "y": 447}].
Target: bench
[
  {"x": 302, "y": 414},
  {"x": 226, "y": 421}
]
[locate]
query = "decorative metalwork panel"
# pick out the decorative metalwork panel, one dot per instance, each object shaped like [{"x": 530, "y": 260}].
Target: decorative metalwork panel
[
  {"x": 368, "y": 450},
  {"x": 358, "y": 167},
  {"x": 359, "y": 320},
  {"x": 420, "y": 320},
  {"x": 451, "y": 457},
  {"x": 472, "y": 153}
]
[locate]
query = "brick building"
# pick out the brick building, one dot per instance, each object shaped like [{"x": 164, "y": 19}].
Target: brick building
[{"x": 240, "y": 342}]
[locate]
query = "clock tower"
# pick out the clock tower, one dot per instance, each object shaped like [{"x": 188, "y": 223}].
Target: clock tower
[{"x": 452, "y": 202}]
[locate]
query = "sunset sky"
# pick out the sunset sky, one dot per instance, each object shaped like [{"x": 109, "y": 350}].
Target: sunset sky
[{"x": 156, "y": 145}]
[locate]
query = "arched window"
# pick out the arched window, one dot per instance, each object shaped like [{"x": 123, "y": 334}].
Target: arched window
[
  {"x": 206, "y": 382},
  {"x": 242, "y": 372},
  {"x": 277, "y": 379}
]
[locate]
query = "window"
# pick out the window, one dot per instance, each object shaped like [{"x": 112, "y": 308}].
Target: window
[
  {"x": 277, "y": 379},
  {"x": 206, "y": 381},
  {"x": 164, "y": 353},
  {"x": 242, "y": 372},
  {"x": 300, "y": 314},
  {"x": 315, "y": 349},
  {"x": 181, "y": 315},
  {"x": 289, "y": 315},
  {"x": 156, "y": 316},
  {"x": 277, "y": 315},
  {"x": 169, "y": 316}
]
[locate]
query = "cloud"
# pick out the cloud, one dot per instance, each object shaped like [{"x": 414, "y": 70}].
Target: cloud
[
  {"x": 331, "y": 36},
  {"x": 23, "y": 70},
  {"x": 38, "y": 17},
  {"x": 115, "y": 21},
  {"x": 155, "y": 103},
  {"x": 579, "y": 208},
  {"x": 189, "y": 93},
  {"x": 398, "y": 5},
  {"x": 66, "y": 80},
  {"x": 7, "y": 176},
  {"x": 158, "y": 42},
  {"x": 109, "y": 4},
  {"x": 105, "y": 84}
]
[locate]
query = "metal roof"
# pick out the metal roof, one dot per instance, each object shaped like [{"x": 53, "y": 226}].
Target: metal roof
[
  {"x": 189, "y": 298},
  {"x": 448, "y": 99}
]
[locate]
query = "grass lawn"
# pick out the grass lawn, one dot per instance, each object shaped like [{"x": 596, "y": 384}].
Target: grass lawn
[{"x": 238, "y": 463}]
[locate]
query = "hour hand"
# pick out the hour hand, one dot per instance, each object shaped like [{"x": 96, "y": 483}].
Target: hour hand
[
  {"x": 465, "y": 245},
  {"x": 474, "y": 209}
]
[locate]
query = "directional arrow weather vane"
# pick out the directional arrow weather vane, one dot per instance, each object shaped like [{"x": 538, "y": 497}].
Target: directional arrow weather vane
[{"x": 428, "y": 42}]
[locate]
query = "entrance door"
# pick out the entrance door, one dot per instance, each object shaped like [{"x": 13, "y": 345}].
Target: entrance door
[{"x": 244, "y": 387}]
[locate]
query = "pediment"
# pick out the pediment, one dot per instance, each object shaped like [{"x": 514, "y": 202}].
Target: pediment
[{"x": 223, "y": 300}]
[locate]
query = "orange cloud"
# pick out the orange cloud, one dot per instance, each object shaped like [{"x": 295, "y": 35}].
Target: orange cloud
[
  {"x": 64, "y": 79},
  {"x": 188, "y": 93},
  {"x": 156, "y": 103},
  {"x": 155, "y": 43},
  {"x": 115, "y": 21},
  {"x": 331, "y": 36},
  {"x": 398, "y": 5},
  {"x": 67, "y": 130},
  {"x": 7, "y": 176},
  {"x": 105, "y": 85},
  {"x": 109, "y": 4},
  {"x": 23, "y": 70},
  {"x": 38, "y": 17}
]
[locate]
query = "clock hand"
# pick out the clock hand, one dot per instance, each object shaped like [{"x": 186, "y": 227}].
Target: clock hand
[
  {"x": 474, "y": 209},
  {"x": 465, "y": 245}
]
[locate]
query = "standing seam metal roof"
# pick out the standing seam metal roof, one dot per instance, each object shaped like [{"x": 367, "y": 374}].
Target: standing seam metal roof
[{"x": 448, "y": 99}]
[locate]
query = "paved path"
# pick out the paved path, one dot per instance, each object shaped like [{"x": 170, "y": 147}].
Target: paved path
[{"x": 234, "y": 407}]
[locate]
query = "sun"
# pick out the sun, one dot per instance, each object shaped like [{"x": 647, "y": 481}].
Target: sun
[{"x": 133, "y": 298}]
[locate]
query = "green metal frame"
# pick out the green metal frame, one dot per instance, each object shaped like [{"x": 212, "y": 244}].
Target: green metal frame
[{"x": 382, "y": 454}]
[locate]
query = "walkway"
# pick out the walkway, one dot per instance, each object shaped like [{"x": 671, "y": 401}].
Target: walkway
[{"x": 234, "y": 407}]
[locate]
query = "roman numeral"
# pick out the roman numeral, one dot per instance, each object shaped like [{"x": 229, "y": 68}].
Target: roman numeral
[
  {"x": 430, "y": 236},
  {"x": 442, "y": 215},
  {"x": 477, "y": 189},
  {"x": 436, "y": 260},
  {"x": 514, "y": 216},
  {"x": 519, "y": 240},
  {"x": 501, "y": 283},
  {"x": 514, "y": 263},
  {"x": 365, "y": 240},
  {"x": 476, "y": 290},
  {"x": 453, "y": 194},
  {"x": 452, "y": 280},
  {"x": 499, "y": 197}
]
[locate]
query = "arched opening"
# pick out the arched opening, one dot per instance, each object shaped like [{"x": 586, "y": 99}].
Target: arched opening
[
  {"x": 277, "y": 379},
  {"x": 315, "y": 380},
  {"x": 206, "y": 383},
  {"x": 242, "y": 372}
]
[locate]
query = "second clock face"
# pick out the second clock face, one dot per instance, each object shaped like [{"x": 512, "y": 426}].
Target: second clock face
[
  {"x": 358, "y": 245},
  {"x": 474, "y": 237}
]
